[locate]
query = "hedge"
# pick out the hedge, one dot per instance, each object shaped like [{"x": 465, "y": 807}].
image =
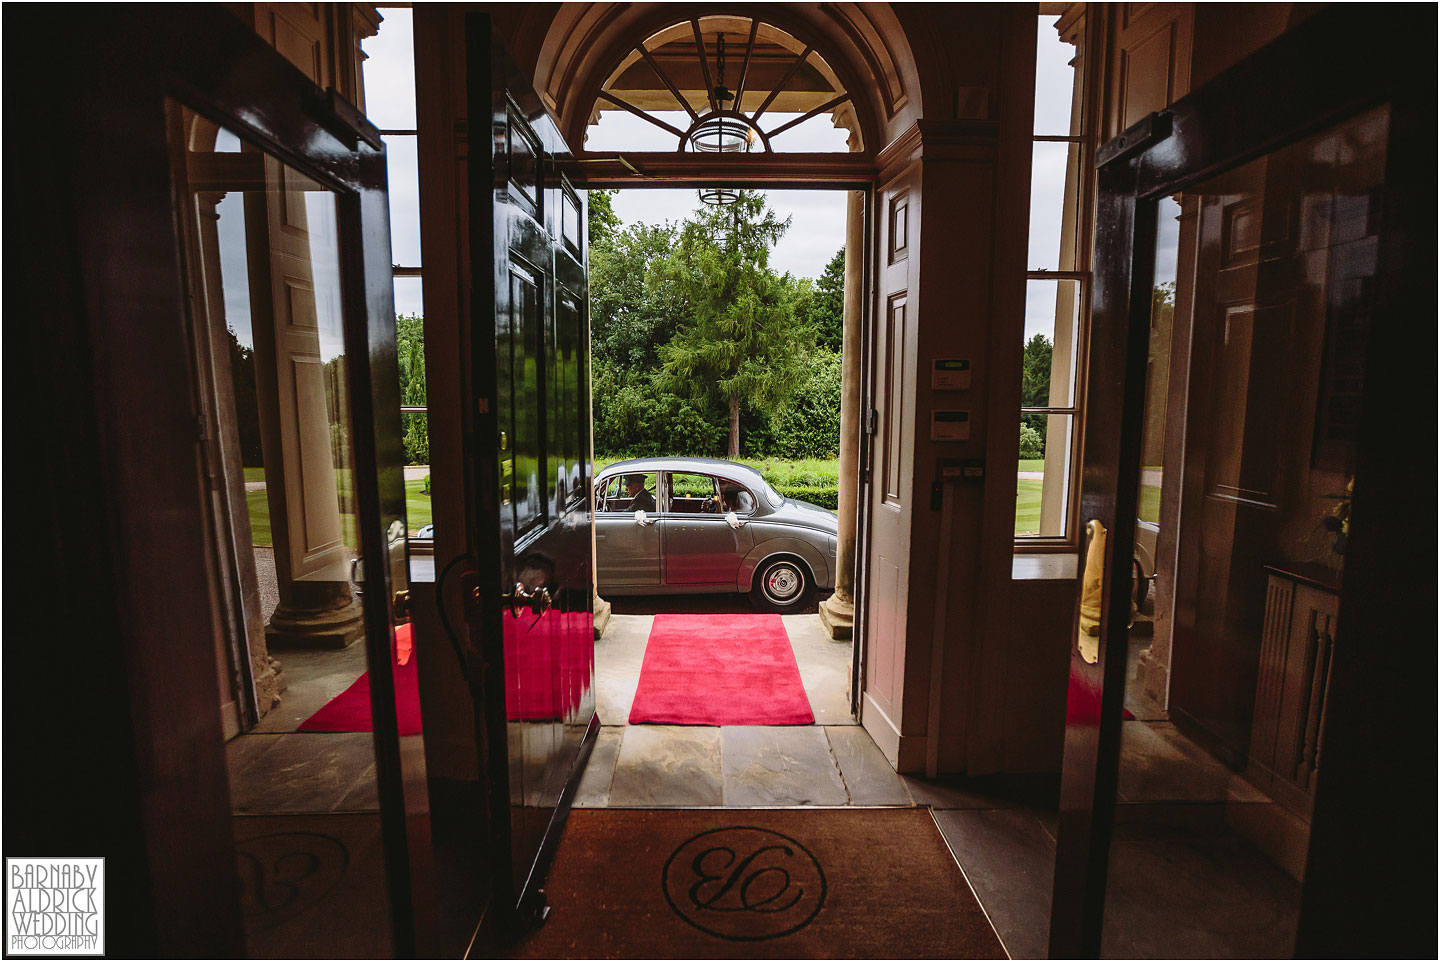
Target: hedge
[
  {"x": 824, "y": 497},
  {"x": 813, "y": 480}
]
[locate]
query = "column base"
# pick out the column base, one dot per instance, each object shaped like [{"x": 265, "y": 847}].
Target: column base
[
  {"x": 320, "y": 614},
  {"x": 602, "y": 616},
  {"x": 838, "y": 617}
]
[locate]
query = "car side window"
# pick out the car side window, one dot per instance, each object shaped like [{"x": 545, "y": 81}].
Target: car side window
[
  {"x": 606, "y": 495},
  {"x": 736, "y": 497},
  {"x": 693, "y": 494},
  {"x": 627, "y": 493}
]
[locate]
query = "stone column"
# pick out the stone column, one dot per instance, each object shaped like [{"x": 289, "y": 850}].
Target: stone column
[
  {"x": 292, "y": 300},
  {"x": 837, "y": 613}
]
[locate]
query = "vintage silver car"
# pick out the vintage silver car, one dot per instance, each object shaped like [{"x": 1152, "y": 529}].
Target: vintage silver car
[{"x": 698, "y": 525}]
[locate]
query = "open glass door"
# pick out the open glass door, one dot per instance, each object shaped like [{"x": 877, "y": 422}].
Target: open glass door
[
  {"x": 1251, "y": 273},
  {"x": 529, "y": 470},
  {"x": 280, "y": 205}
]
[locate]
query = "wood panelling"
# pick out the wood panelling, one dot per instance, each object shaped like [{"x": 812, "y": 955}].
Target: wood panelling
[
  {"x": 297, "y": 30},
  {"x": 1149, "y": 61},
  {"x": 892, "y": 380},
  {"x": 891, "y": 396}
]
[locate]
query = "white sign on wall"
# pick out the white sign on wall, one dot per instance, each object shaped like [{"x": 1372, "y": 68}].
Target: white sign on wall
[
  {"x": 951, "y": 425},
  {"x": 950, "y": 374}
]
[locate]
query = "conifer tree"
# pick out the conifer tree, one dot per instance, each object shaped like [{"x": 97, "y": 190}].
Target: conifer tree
[{"x": 742, "y": 340}]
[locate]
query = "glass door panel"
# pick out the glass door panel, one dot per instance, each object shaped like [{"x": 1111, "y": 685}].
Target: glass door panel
[
  {"x": 263, "y": 258},
  {"x": 1266, "y": 274}
]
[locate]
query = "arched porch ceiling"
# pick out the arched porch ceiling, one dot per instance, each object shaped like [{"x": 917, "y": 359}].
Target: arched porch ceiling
[{"x": 857, "y": 51}]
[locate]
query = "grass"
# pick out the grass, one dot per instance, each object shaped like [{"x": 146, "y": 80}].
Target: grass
[
  {"x": 417, "y": 512},
  {"x": 811, "y": 477},
  {"x": 1027, "y": 506}
]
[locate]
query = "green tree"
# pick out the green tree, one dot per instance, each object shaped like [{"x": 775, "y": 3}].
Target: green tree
[
  {"x": 635, "y": 305},
  {"x": 410, "y": 344},
  {"x": 825, "y": 312},
  {"x": 247, "y": 402},
  {"x": 601, "y": 218},
  {"x": 1035, "y": 387},
  {"x": 741, "y": 341}
]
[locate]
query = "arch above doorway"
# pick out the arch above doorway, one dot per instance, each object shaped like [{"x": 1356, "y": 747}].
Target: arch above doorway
[{"x": 858, "y": 50}]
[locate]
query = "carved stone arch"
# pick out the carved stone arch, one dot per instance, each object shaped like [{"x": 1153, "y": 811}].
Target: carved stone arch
[{"x": 863, "y": 45}]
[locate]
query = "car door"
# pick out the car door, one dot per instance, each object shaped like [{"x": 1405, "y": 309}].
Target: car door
[
  {"x": 700, "y": 548},
  {"x": 627, "y": 550}
]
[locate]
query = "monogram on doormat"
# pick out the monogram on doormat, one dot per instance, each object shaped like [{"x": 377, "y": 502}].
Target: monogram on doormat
[
  {"x": 744, "y": 883},
  {"x": 857, "y": 883}
]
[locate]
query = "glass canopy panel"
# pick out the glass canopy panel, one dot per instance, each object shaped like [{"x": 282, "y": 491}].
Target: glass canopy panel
[{"x": 721, "y": 83}]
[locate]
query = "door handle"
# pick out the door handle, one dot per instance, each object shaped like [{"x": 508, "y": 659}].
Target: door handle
[
  {"x": 402, "y": 607},
  {"x": 538, "y": 600}
]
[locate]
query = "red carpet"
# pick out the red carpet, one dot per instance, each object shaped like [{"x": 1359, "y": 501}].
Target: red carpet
[
  {"x": 549, "y": 666},
  {"x": 349, "y": 711},
  {"x": 720, "y": 670}
]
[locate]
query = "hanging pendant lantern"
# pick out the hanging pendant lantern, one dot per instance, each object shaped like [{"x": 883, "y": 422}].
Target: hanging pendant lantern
[
  {"x": 718, "y": 196},
  {"x": 723, "y": 130}
]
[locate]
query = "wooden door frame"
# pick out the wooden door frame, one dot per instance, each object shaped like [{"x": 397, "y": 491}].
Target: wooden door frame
[
  {"x": 1334, "y": 66},
  {"x": 127, "y": 325}
]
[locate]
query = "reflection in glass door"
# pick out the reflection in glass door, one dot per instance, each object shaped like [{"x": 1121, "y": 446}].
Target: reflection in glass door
[
  {"x": 263, "y": 249},
  {"x": 1264, "y": 282}
]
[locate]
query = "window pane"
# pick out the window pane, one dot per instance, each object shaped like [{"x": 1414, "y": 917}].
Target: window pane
[
  {"x": 404, "y": 170},
  {"x": 1157, "y": 380},
  {"x": 1042, "y": 483},
  {"x": 1052, "y": 318},
  {"x": 617, "y": 129},
  {"x": 1054, "y": 81},
  {"x": 692, "y": 494},
  {"x": 409, "y": 297},
  {"x": 390, "y": 72},
  {"x": 628, "y": 493},
  {"x": 1052, "y": 206},
  {"x": 817, "y": 134}
]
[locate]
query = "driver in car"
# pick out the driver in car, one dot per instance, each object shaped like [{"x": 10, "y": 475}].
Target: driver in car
[{"x": 640, "y": 499}]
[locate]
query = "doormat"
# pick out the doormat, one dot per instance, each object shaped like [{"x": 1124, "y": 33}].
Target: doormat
[
  {"x": 349, "y": 711},
  {"x": 312, "y": 886},
  {"x": 720, "y": 670},
  {"x": 758, "y": 883}
]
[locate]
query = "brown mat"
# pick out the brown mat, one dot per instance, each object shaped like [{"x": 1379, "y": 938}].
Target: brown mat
[
  {"x": 738, "y": 883},
  {"x": 313, "y": 886}
]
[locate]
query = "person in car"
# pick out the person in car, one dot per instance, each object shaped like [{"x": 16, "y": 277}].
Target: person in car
[
  {"x": 737, "y": 499},
  {"x": 640, "y": 499}
]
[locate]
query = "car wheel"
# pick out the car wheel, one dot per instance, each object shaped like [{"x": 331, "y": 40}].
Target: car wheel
[{"x": 782, "y": 585}]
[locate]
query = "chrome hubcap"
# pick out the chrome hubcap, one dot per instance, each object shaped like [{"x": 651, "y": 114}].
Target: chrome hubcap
[{"x": 783, "y": 583}]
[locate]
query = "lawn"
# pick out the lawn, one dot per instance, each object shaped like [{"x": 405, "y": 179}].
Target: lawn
[
  {"x": 811, "y": 480},
  {"x": 1027, "y": 506},
  {"x": 417, "y": 512}
]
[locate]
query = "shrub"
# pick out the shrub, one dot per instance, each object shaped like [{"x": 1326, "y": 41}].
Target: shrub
[
  {"x": 824, "y": 497},
  {"x": 1032, "y": 445}
]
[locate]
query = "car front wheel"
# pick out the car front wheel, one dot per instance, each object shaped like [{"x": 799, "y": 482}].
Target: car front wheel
[{"x": 782, "y": 586}]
